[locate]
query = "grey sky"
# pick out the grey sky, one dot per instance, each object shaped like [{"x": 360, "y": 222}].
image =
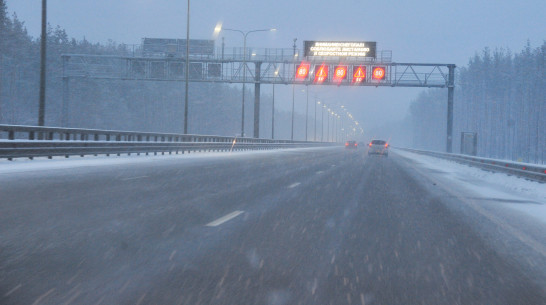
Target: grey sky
[{"x": 416, "y": 31}]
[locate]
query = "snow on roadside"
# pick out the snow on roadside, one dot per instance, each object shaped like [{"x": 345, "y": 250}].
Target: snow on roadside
[
  {"x": 509, "y": 191},
  {"x": 18, "y": 165}
]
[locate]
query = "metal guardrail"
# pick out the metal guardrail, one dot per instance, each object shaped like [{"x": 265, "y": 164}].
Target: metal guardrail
[
  {"x": 34, "y": 141},
  {"x": 529, "y": 171}
]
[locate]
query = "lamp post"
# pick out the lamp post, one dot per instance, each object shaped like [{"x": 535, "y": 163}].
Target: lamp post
[
  {"x": 293, "y": 92},
  {"x": 322, "y": 124},
  {"x": 273, "y": 107},
  {"x": 315, "y": 129},
  {"x": 306, "y": 111},
  {"x": 43, "y": 45},
  {"x": 328, "y": 127},
  {"x": 245, "y": 34},
  {"x": 334, "y": 131},
  {"x": 187, "y": 70}
]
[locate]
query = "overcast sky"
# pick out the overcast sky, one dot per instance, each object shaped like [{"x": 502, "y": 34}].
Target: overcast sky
[{"x": 429, "y": 31}]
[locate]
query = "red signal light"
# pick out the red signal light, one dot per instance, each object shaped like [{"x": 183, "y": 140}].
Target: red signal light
[
  {"x": 340, "y": 73},
  {"x": 321, "y": 73},
  {"x": 379, "y": 73},
  {"x": 359, "y": 74},
  {"x": 302, "y": 71}
]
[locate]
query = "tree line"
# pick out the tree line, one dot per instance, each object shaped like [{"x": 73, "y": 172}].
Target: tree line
[
  {"x": 499, "y": 95},
  {"x": 116, "y": 104}
]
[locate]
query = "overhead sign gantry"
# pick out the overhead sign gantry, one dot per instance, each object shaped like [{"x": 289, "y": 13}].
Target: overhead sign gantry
[{"x": 336, "y": 63}]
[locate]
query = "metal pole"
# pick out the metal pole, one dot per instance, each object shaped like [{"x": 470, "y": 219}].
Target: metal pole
[
  {"x": 273, "y": 114},
  {"x": 450, "y": 89},
  {"x": 328, "y": 128},
  {"x": 257, "y": 66},
  {"x": 293, "y": 89},
  {"x": 322, "y": 125},
  {"x": 66, "y": 96},
  {"x": 244, "y": 79},
  {"x": 187, "y": 70},
  {"x": 334, "y": 128},
  {"x": 315, "y": 129},
  {"x": 292, "y": 129},
  {"x": 306, "y": 111},
  {"x": 43, "y": 45},
  {"x": 223, "y": 46}
]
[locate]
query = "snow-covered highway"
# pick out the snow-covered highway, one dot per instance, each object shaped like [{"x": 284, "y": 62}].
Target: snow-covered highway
[{"x": 297, "y": 226}]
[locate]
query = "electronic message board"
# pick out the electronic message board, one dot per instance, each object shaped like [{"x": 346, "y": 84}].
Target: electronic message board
[{"x": 339, "y": 48}]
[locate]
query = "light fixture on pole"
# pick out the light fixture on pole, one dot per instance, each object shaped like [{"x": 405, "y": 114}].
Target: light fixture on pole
[
  {"x": 315, "y": 129},
  {"x": 306, "y": 111},
  {"x": 217, "y": 30},
  {"x": 187, "y": 70},
  {"x": 273, "y": 107},
  {"x": 293, "y": 93}
]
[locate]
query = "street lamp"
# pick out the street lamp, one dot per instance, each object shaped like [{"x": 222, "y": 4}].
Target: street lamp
[
  {"x": 273, "y": 107},
  {"x": 328, "y": 127},
  {"x": 315, "y": 129},
  {"x": 187, "y": 70},
  {"x": 217, "y": 30},
  {"x": 306, "y": 112},
  {"x": 322, "y": 124},
  {"x": 293, "y": 98}
]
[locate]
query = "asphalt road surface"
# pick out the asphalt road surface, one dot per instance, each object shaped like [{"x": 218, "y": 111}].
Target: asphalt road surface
[{"x": 308, "y": 226}]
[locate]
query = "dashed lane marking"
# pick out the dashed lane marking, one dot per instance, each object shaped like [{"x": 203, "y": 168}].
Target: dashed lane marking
[
  {"x": 293, "y": 185},
  {"x": 224, "y": 219},
  {"x": 133, "y": 178}
]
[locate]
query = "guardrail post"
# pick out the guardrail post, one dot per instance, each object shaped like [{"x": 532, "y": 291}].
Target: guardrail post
[
  {"x": 30, "y": 135},
  {"x": 11, "y": 135}
]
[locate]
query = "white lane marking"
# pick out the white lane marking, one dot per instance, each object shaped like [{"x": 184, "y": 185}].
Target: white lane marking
[
  {"x": 223, "y": 219},
  {"x": 13, "y": 290},
  {"x": 293, "y": 185},
  {"x": 319, "y": 172},
  {"x": 132, "y": 178},
  {"x": 43, "y": 296}
]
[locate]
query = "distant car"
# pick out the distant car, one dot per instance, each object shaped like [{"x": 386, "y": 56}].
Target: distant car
[
  {"x": 351, "y": 144},
  {"x": 378, "y": 147}
]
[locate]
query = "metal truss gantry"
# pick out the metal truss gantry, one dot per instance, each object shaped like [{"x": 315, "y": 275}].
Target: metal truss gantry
[{"x": 277, "y": 66}]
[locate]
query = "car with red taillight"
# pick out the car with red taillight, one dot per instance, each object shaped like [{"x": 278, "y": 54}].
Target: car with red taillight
[
  {"x": 378, "y": 147},
  {"x": 351, "y": 144}
]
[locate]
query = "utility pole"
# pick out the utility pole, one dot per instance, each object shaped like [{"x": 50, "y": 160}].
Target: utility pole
[
  {"x": 306, "y": 111},
  {"x": 187, "y": 70},
  {"x": 293, "y": 93},
  {"x": 43, "y": 45}
]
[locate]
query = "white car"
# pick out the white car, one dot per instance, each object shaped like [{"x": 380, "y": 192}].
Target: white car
[{"x": 378, "y": 147}]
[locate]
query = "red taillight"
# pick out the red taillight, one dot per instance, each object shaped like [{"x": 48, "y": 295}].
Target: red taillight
[
  {"x": 386, "y": 145},
  {"x": 356, "y": 144},
  {"x": 347, "y": 144},
  {"x": 370, "y": 144}
]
